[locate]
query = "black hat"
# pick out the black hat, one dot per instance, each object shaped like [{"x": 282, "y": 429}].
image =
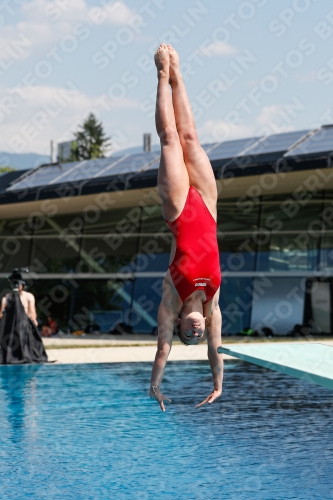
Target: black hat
[{"x": 16, "y": 277}]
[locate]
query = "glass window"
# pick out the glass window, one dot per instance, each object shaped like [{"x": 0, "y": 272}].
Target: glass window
[
  {"x": 53, "y": 298},
  {"x": 289, "y": 236},
  {"x": 147, "y": 297},
  {"x": 14, "y": 252},
  {"x": 274, "y": 197},
  {"x": 154, "y": 254},
  {"x": 288, "y": 252},
  {"x": 123, "y": 221},
  {"x": 237, "y": 216},
  {"x": 111, "y": 254},
  {"x": 155, "y": 241},
  {"x": 15, "y": 244},
  {"x": 152, "y": 220},
  {"x": 237, "y": 252},
  {"x": 102, "y": 302},
  {"x": 235, "y": 304},
  {"x": 289, "y": 216},
  {"x": 21, "y": 227},
  {"x": 315, "y": 195},
  {"x": 75, "y": 304},
  {"x": 59, "y": 225},
  {"x": 55, "y": 255},
  {"x": 326, "y": 252},
  {"x": 4, "y": 287},
  {"x": 278, "y": 303},
  {"x": 328, "y": 194}
]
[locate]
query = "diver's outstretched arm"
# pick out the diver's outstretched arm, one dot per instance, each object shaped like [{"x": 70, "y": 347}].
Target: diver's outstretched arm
[
  {"x": 215, "y": 359},
  {"x": 165, "y": 322}
]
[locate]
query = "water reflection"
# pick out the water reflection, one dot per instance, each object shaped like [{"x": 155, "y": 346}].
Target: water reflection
[{"x": 18, "y": 394}]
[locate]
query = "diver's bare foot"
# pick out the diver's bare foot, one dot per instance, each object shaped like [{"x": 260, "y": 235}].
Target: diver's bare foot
[
  {"x": 162, "y": 60},
  {"x": 174, "y": 65}
]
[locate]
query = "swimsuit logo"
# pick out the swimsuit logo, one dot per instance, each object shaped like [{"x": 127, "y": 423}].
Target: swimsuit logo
[{"x": 201, "y": 284}]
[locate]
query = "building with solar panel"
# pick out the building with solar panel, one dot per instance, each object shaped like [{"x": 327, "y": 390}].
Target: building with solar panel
[{"x": 97, "y": 247}]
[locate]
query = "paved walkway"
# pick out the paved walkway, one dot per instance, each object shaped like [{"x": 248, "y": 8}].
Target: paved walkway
[{"x": 133, "y": 348}]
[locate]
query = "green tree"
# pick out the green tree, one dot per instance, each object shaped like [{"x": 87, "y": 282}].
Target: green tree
[
  {"x": 4, "y": 170},
  {"x": 91, "y": 141}
]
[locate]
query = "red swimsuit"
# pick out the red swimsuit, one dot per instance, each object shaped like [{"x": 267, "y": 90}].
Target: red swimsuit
[{"x": 196, "y": 265}]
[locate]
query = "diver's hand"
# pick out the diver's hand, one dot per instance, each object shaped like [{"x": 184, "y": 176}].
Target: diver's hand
[
  {"x": 214, "y": 395},
  {"x": 155, "y": 393}
]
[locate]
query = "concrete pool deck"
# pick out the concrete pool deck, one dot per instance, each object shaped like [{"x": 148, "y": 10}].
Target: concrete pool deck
[{"x": 137, "y": 348}]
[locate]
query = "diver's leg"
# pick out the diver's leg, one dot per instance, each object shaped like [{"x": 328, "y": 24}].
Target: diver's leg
[
  {"x": 173, "y": 180},
  {"x": 200, "y": 171}
]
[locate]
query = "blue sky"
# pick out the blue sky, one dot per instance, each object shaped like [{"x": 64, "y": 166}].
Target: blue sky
[{"x": 251, "y": 67}]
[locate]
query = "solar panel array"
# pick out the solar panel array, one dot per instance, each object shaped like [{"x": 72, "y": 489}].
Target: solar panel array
[
  {"x": 41, "y": 176},
  {"x": 131, "y": 164},
  {"x": 82, "y": 170},
  {"x": 274, "y": 143},
  {"x": 228, "y": 149},
  {"x": 319, "y": 142},
  {"x": 291, "y": 144},
  {"x": 85, "y": 170}
]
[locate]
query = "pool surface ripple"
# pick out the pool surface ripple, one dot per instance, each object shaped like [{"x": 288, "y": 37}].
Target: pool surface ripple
[{"x": 91, "y": 432}]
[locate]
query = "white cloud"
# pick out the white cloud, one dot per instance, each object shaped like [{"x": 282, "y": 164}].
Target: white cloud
[
  {"x": 116, "y": 13},
  {"x": 52, "y": 12},
  {"x": 76, "y": 10},
  {"x": 271, "y": 120},
  {"x": 219, "y": 49},
  {"x": 223, "y": 130},
  {"x": 17, "y": 42},
  {"x": 45, "y": 112},
  {"x": 275, "y": 119},
  {"x": 43, "y": 23}
]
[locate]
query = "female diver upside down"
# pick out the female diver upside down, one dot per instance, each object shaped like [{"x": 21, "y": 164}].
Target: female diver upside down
[{"x": 187, "y": 188}]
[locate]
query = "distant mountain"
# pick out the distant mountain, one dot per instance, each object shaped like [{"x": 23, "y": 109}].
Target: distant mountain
[
  {"x": 22, "y": 161},
  {"x": 134, "y": 150}
]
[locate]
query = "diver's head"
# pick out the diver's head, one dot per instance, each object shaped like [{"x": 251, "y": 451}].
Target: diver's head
[{"x": 191, "y": 327}]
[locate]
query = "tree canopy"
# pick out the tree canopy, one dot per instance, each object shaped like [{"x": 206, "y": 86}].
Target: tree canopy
[
  {"x": 4, "y": 170},
  {"x": 91, "y": 141}
]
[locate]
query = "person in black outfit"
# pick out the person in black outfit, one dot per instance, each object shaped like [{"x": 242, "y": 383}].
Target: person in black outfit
[{"x": 20, "y": 341}]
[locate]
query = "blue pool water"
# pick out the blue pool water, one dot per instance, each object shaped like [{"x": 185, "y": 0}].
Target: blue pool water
[{"x": 91, "y": 432}]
